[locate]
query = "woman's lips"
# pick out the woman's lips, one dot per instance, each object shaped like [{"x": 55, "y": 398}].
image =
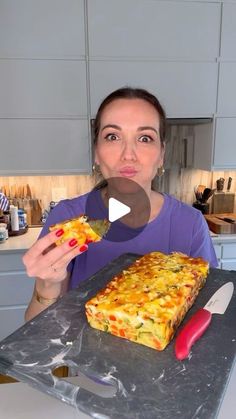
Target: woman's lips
[{"x": 128, "y": 172}]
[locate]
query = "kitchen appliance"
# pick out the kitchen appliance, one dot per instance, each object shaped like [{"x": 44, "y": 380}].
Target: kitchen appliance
[
  {"x": 148, "y": 383},
  {"x": 222, "y": 223},
  {"x": 199, "y": 322}
]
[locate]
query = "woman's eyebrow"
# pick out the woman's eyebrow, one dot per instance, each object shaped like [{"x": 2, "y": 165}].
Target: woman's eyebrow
[
  {"x": 147, "y": 127},
  {"x": 111, "y": 126}
]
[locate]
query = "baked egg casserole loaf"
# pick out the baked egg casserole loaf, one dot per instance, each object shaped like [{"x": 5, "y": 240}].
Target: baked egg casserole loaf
[
  {"x": 146, "y": 302},
  {"x": 83, "y": 229}
]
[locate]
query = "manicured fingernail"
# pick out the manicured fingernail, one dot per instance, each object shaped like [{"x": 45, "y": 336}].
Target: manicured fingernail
[
  {"x": 59, "y": 232},
  {"x": 83, "y": 248},
  {"x": 72, "y": 242}
]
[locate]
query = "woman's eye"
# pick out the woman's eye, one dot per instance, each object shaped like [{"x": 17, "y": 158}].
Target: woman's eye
[
  {"x": 145, "y": 139},
  {"x": 111, "y": 137}
]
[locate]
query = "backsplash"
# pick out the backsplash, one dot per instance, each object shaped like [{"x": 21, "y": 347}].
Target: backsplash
[{"x": 176, "y": 181}]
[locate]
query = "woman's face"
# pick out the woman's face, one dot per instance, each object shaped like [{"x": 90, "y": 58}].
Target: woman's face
[{"x": 129, "y": 143}]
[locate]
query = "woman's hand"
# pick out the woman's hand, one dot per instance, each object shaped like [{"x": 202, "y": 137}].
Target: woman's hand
[{"x": 49, "y": 262}]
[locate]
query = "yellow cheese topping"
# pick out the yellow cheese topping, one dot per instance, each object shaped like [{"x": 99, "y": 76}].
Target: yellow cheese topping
[{"x": 147, "y": 301}]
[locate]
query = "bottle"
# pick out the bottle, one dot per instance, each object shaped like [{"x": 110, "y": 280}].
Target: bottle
[
  {"x": 22, "y": 218},
  {"x": 14, "y": 218}
]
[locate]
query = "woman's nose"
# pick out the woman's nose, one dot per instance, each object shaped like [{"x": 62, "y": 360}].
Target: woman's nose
[{"x": 129, "y": 152}]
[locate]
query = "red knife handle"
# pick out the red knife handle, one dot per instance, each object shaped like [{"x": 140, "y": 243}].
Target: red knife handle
[{"x": 191, "y": 332}]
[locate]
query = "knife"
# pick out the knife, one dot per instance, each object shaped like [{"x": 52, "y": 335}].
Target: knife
[
  {"x": 227, "y": 219},
  {"x": 199, "y": 322},
  {"x": 229, "y": 184}
]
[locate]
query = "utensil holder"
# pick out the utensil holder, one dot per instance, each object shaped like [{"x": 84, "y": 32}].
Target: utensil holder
[{"x": 202, "y": 206}]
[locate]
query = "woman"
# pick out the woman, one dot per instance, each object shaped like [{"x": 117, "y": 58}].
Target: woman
[{"x": 129, "y": 134}]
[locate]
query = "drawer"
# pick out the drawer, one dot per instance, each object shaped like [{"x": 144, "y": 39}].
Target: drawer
[
  {"x": 229, "y": 265},
  {"x": 11, "y": 262},
  {"x": 217, "y": 248},
  {"x": 229, "y": 251},
  {"x": 10, "y": 320},
  {"x": 16, "y": 289}
]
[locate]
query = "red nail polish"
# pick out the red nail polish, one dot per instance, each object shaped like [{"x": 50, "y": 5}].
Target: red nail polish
[
  {"x": 59, "y": 232},
  {"x": 72, "y": 242},
  {"x": 83, "y": 248}
]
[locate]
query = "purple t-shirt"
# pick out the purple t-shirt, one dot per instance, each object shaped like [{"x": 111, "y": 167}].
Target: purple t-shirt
[{"x": 178, "y": 227}]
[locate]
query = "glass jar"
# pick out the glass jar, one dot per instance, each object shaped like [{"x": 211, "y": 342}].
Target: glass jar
[{"x": 3, "y": 233}]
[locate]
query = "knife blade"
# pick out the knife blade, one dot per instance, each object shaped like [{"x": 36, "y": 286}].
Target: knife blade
[{"x": 199, "y": 322}]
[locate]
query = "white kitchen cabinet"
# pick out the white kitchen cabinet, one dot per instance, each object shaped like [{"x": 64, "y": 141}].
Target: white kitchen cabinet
[
  {"x": 44, "y": 146},
  {"x": 227, "y": 89},
  {"x": 16, "y": 291},
  {"x": 43, "y": 89},
  {"x": 172, "y": 82},
  {"x": 228, "y": 32},
  {"x": 215, "y": 146},
  {"x": 44, "y": 121},
  {"x": 153, "y": 29},
  {"x": 225, "y": 145},
  {"x": 225, "y": 248},
  {"x": 42, "y": 29}
]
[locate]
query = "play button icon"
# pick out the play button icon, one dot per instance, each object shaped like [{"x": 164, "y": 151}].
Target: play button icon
[
  {"x": 116, "y": 209},
  {"x": 124, "y": 203}
]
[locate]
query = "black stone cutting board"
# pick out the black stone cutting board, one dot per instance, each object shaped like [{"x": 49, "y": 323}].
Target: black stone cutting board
[{"x": 148, "y": 384}]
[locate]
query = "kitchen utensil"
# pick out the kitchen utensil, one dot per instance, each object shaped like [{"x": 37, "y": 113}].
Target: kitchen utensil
[
  {"x": 207, "y": 193},
  {"x": 227, "y": 219},
  {"x": 229, "y": 184},
  {"x": 218, "y": 225},
  {"x": 220, "y": 184},
  {"x": 199, "y": 322},
  {"x": 198, "y": 190},
  {"x": 28, "y": 191},
  {"x": 202, "y": 206}
]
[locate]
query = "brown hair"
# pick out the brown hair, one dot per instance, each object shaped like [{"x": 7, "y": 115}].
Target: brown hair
[{"x": 128, "y": 93}]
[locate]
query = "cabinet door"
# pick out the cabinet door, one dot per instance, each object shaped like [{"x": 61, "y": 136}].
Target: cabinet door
[
  {"x": 217, "y": 248},
  {"x": 11, "y": 319},
  {"x": 229, "y": 265},
  {"x": 228, "y": 33},
  {"x": 225, "y": 144},
  {"x": 44, "y": 146},
  {"x": 16, "y": 289},
  {"x": 42, "y": 89},
  {"x": 163, "y": 29},
  {"x": 229, "y": 251},
  {"x": 172, "y": 82},
  {"x": 42, "y": 29},
  {"x": 227, "y": 90}
]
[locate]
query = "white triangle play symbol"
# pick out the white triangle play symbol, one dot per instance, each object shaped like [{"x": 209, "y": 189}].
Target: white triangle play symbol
[{"x": 116, "y": 209}]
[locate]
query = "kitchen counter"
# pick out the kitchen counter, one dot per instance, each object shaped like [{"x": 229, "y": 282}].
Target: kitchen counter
[
  {"x": 22, "y": 242},
  {"x": 26, "y": 240},
  {"x": 148, "y": 383},
  {"x": 38, "y": 405},
  {"x": 223, "y": 238}
]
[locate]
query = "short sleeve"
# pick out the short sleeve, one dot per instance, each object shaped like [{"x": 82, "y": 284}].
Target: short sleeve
[{"x": 202, "y": 243}]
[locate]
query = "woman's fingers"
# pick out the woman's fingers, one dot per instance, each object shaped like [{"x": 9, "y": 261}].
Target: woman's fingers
[
  {"x": 66, "y": 259},
  {"x": 41, "y": 245},
  {"x": 43, "y": 254}
]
